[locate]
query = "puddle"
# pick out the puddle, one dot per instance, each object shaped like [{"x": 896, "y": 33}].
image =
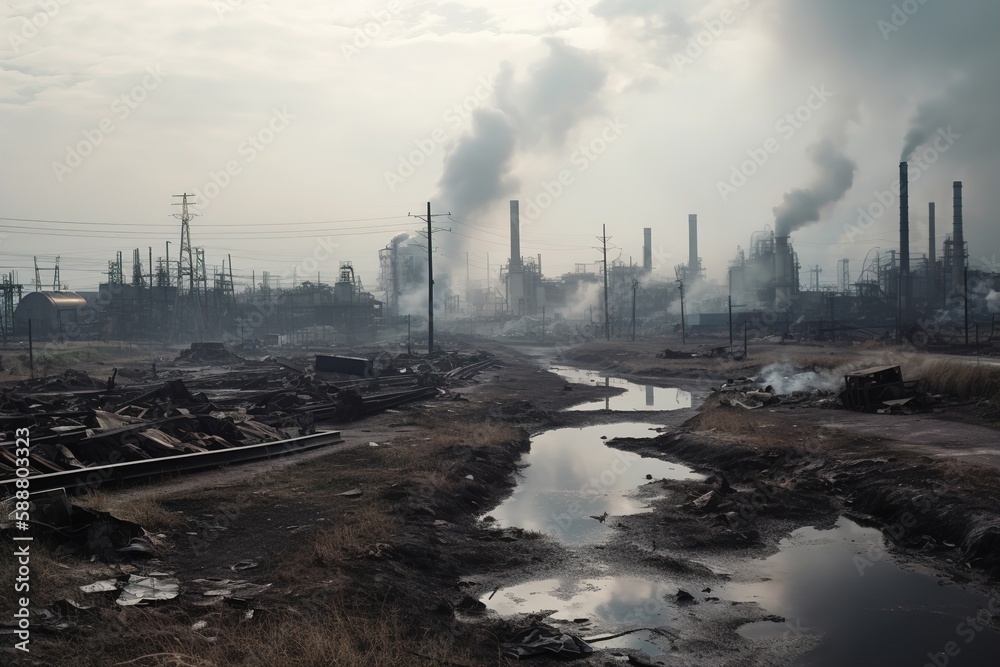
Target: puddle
[
  {"x": 635, "y": 397},
  {"x": 640, "y": 641},
  {"x": 573, "y": 476},
  {"x": 612, "y": 603},
  {"x": 841, "y": 585}
]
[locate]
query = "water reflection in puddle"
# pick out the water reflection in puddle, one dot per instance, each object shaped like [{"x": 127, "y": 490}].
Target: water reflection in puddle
[
  {"x": 635, "y": 397},
  {"x": 611, "y": 603},
  {"x": 573, "y": 476},
  {"x": 869, "y": 611}
]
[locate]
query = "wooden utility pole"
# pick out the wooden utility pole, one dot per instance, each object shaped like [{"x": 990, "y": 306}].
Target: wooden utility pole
[
  {"x": 604, "y": 245},
  {"x": 635, "y": 286},
  {"x": 683, "y": 327},
  {"x": 430, "y": 279}
]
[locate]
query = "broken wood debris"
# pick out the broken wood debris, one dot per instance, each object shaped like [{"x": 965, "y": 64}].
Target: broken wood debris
[{"x": 80, "y": 423}]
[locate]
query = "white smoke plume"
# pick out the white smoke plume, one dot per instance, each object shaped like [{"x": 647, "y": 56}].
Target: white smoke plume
[{"x": 786, "y": 379}]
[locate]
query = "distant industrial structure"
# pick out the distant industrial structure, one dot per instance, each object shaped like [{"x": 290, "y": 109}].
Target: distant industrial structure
[{"x": 182, "y": 299}]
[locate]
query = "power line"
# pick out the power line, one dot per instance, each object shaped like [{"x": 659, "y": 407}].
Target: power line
[{"x": 216, "y": 224}]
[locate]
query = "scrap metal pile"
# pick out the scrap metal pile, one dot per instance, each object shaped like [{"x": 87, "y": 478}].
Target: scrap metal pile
[
  {"x": 208, "y": 401},
  {"x": 750, "y": 394}
]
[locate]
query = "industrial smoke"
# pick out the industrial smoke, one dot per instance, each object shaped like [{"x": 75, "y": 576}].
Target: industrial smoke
[{"x": 802, "y": 206}]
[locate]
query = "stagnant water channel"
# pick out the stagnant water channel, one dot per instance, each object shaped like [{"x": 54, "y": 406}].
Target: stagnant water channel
[{"x": 838, "y": 586}]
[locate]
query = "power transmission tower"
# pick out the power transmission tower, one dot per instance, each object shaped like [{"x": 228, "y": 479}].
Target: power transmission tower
[
  {"x": 185, "y": 263},
  {"x": 430, "y": 277},
  {"x": 187, "y": 309},
  {"x": 38, "y": 277},
  {"x": 56, "y": 282}
]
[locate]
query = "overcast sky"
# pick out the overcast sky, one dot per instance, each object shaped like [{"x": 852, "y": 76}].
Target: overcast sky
[{"x": 629, "y": 113}]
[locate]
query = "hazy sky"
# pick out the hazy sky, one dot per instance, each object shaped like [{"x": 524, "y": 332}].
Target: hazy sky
[{"x": 630, "y": 113}]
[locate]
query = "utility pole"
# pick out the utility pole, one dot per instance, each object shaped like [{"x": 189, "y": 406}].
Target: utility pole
[
  {"x": 965, "y": 300},
  {"x": 430, "y": 278},
  {"x": 635, "y": 286},
  {"x": 683, "y": 327},
  {"x": 607, "y": 316}
]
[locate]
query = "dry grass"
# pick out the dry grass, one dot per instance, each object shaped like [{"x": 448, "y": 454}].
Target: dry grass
[
  {"x": 354, "y": 536},
  {"x": 965, "y": 380},
  {"x": 144, "y": 511},
  {"x": 50, "y": 579},
  {"x": 320, "y": 630},
  {"x": 733, "y": 421}
]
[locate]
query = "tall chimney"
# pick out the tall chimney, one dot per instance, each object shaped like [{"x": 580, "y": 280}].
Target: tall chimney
[
  {"x": 904, "y": 241},
  {"x": 782, "y": 271},
  {"x": 958, "y": 245},
  {"x": 694, "y": 266},
  {"x": 647, "y": 248},
  {"x": 515, "y": 234},
  {"x": 931, "y": 258}
]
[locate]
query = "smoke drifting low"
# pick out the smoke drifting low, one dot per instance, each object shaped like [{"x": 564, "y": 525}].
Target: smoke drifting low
[{"x": 803, "y": 206}]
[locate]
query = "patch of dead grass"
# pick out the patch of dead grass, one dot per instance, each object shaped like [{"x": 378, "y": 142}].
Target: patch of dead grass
[
  {"x": 144, "y": 511},
  {"x": 320, "y": 630},
  {"x": 50, "y": 579},
  {"x": 354, "y": 535},
  {"x": 963, "y": 379},
  {"x": 734, "y": 421}
]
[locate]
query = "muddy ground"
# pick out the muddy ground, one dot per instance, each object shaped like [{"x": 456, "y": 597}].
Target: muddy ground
[{"x": 387, "y": 578}]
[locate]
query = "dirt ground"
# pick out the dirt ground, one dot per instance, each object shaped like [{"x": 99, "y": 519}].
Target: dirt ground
[{"x": 384, "y": 578}]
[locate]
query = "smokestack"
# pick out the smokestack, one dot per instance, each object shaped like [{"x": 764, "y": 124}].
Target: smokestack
[
  {"x": 904, "y": 240},
  {"x": 647, "y": 248},
  {"x": 782, "y": 271},
  {"x": 931, "y": 258},
  {"x": 694, "y": 266},
  {"x": 958, "y": 244},
  {"x": 515, "y": 234}
]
